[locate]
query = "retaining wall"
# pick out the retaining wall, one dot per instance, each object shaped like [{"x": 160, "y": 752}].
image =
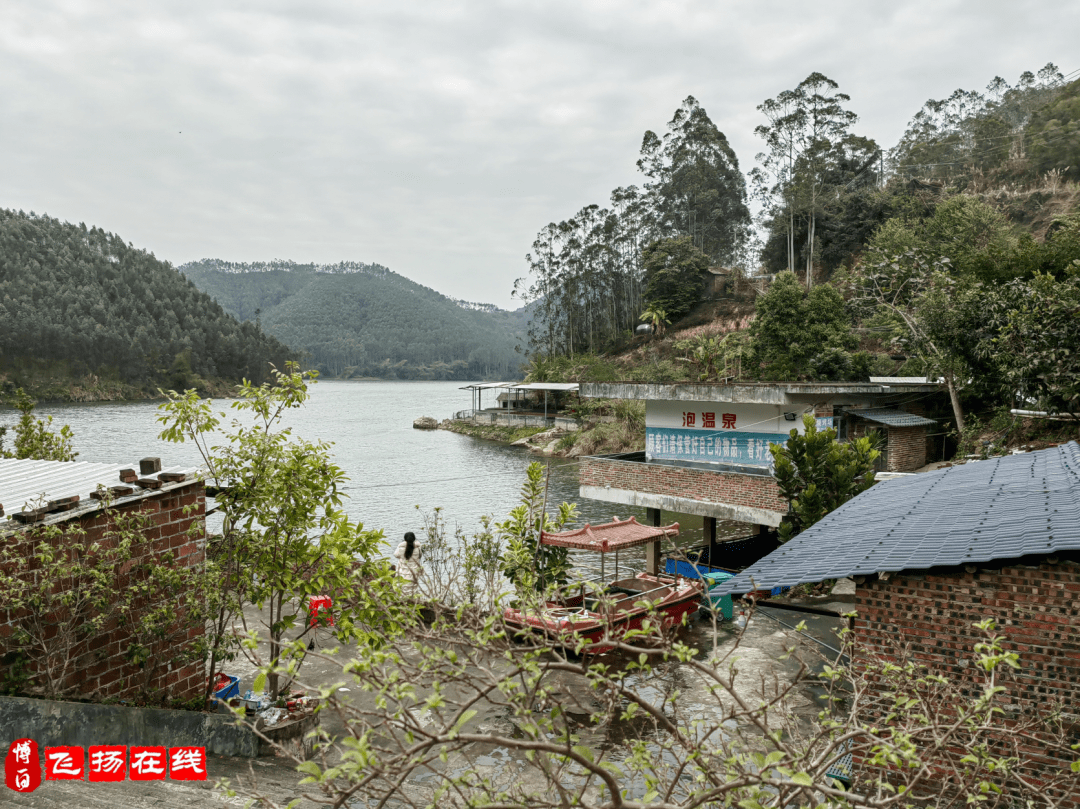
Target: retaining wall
[
  {"x": 55, "y": 723},
  {"x": 725, "y": 495}
]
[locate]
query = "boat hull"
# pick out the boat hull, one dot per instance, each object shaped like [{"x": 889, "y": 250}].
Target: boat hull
[{"x": 571, "y": 621}]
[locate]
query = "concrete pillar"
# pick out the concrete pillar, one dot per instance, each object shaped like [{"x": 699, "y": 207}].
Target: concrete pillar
[
  {"x": 652, "y": 557},
  {"x": 652, "y": 550},
  {"x": 710, "y": 539}
]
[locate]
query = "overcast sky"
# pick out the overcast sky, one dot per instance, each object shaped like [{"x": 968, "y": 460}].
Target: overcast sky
[{"x": 435, "y": 138}]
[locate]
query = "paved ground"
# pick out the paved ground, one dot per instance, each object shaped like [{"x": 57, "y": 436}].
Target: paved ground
[{"x": 765, "y": 640}]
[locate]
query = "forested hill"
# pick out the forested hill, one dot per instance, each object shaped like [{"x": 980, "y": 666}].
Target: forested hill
[
  {"x": 353, "y": 319},
  {"x": 81, "y": 308}
]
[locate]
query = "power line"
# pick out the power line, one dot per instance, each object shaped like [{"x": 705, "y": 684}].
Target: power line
[
  {"x": 504, "y": 474},
  {"x": 976, "y": 154}
]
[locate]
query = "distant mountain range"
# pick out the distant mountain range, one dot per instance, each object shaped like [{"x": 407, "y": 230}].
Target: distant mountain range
[
  {"x": 80, "y": 307},
  {"x": 364, "y": 320}
]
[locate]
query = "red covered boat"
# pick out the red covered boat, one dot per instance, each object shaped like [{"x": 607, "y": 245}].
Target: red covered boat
[{"x": 592, "y": 611}]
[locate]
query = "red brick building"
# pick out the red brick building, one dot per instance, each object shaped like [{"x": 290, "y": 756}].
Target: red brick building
[
  {"x": 934, "y": 554},
  {"x": 39, "y": 494}
]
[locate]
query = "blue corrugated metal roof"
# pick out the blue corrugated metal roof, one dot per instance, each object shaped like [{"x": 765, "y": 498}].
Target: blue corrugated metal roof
[
  {"x": 893, "y": 418},
  {"x": 998, "y": 509}
]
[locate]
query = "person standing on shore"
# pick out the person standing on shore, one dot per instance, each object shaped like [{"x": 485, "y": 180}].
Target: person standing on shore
[{"x": 408, "y": 562}]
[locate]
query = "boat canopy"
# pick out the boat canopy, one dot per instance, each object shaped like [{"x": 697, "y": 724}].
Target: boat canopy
[{"x": 613, "y": 536}]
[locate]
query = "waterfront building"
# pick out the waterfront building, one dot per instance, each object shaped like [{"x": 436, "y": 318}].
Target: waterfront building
[{"x": 707, "y": 444}]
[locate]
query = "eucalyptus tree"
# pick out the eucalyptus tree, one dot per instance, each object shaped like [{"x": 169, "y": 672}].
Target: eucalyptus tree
[
  {"x": 808, "y": 135},
  {"x": 968, "y": 130},
  {"x": 696, "y": 188},
  {"x": 772, "y": 180},
  {"x": 585, "y": 278},
  {"x": 587, "y": 274}
]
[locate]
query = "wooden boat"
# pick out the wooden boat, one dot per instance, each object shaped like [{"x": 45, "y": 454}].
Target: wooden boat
[{"x": 593, "y": 611}]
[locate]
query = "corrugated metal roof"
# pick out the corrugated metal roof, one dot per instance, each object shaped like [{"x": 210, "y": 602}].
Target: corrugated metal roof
[
  {"x": 892, "y": 417},
  {"x": 904, "y": 380},
  {"x": 559, "y": 386},
  {"x": 28, "y": 483},
  {"x": 487, "y": 385},
  {"x": 1003, "y": 508}
]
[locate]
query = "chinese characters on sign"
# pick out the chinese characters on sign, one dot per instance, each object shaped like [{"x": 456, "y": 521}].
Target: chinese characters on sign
[
  {"x": 734, "y": 447},
  {"x": 708, "y": 420},
  {"x": 22, "y": 771},
  {"x": 726, "y": 433}
]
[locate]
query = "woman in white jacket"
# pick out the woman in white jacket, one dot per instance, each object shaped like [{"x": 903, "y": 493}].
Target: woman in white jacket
[{"x": 408, "y": 562}]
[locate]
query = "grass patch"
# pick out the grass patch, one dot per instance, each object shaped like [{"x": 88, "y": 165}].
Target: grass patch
[{"x": 493, "y": 432}]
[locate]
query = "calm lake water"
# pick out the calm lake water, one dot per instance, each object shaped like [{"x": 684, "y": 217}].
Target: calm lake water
[{"x": 392, "y": 468}]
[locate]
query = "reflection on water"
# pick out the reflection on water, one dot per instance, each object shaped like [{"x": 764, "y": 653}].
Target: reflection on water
[{"x": 392, "y": 468}]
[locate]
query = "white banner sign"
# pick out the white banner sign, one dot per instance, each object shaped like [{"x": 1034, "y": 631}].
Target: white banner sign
[{"x": 718, "y": 432}]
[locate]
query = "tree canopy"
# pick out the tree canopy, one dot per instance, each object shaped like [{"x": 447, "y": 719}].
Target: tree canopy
[
  {"x": 674, "y": 275},
  {"x": 587, "y": 274},
  {"x": 354, "y": 319},
  {"x": 800, "y": 335},
  {"x": 696, "y": 188},
  {"x": 81, "y": 296}
]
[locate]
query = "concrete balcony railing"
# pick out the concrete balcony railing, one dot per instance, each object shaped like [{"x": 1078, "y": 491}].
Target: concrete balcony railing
[{"x": 517, "y": 419}]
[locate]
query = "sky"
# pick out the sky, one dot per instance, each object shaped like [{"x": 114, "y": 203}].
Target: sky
[{"x": 436, "y": 138}]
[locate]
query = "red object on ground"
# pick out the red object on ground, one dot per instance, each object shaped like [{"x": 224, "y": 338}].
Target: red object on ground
[
  {"x": 316, "y": 606},
  {"x": 22, "y": 767}
]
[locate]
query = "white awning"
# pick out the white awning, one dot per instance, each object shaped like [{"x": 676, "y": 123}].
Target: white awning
[
  {"x": 488, "y": 385},
  {"x": 553, "y": 386}
]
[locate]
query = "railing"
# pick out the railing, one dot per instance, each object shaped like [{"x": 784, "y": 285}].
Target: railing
[{"x": 516, "y": 419}]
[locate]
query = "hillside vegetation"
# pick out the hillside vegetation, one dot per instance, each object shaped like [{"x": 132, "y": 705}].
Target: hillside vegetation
[
  {"x": 955, "y": 254},
  {"x": 356, "y": 320},
  {"x": 87, "y": 316}
]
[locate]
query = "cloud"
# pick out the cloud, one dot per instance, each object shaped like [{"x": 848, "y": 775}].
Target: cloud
[{"x": 435, "y": 138}]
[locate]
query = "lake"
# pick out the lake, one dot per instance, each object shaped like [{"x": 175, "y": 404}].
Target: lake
[{"x": 392, "y": 468}]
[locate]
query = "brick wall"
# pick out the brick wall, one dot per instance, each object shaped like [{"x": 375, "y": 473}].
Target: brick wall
[
  {"x": 907, "y": 449},
  {"x": 100, "y": 668},
  {"x": 750, "y": 491},
  {"x": 906, "y": 446},
  {"x": 1037, "y": 611}
]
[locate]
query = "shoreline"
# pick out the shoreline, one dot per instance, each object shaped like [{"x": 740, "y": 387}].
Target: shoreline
[{"x": 593, "y": 438}]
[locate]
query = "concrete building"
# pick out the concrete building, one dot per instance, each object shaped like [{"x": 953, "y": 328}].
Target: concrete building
[{"x": 707, "y": 445}]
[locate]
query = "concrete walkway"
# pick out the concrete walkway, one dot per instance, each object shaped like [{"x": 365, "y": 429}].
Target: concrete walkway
[{"x": 761, "y": 651}]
